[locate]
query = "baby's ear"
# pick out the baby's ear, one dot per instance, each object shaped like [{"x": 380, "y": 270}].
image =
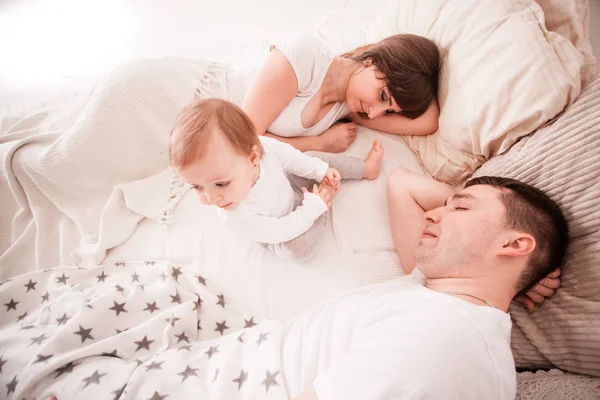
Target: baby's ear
[{"x": 255, "y": 155}]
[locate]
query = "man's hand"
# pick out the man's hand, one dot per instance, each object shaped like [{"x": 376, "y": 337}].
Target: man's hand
[
  {"x": 543, "y": 289},
  {"x": 332, "y": 178}
]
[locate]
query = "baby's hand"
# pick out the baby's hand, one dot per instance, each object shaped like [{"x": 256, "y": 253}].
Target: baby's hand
[
  {"x": 332, "y": 177},
  {"x": 323, "y": 194}
]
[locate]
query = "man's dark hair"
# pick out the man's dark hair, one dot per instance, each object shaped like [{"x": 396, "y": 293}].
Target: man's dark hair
[{"x": 531, "y": 211}]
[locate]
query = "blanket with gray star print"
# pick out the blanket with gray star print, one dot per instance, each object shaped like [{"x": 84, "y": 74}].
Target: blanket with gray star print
[{"x": 147, "y": 330}]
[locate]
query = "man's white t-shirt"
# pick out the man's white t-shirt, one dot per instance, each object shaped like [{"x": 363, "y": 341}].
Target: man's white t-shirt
[{"x": 400, "y": 340}]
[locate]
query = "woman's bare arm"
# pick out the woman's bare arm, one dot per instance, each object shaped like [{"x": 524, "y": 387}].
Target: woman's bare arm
[{"x": 400, "y": 125}]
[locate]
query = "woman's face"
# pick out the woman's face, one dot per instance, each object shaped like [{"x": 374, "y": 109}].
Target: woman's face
[{"x": 368, "y": 95}]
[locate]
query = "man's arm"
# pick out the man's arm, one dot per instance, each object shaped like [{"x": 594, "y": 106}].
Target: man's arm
[{"x": 410, "y": 195}]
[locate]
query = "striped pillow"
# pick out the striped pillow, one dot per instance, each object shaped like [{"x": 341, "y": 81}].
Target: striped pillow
[{"x": 563, "y": 160}]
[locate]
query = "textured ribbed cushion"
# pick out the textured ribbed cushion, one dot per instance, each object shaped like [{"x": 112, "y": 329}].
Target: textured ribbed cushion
[{"x": 563, "y": 160}]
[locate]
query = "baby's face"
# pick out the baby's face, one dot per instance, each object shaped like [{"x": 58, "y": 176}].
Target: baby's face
[{"x": 222, "y": 177}]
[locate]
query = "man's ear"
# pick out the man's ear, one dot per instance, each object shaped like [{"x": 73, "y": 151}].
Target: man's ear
[{"x": 517, "y": 244}]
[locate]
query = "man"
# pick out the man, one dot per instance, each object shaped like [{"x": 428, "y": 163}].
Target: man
[
  {"x": 442, "y": 331},
  {"x": 475, "y": 251}
]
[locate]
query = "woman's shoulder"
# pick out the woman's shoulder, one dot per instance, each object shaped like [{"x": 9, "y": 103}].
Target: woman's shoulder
[{"x": 309, "y": 56}]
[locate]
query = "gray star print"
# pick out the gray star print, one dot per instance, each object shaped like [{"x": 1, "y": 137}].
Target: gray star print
[
  {"x": 221, "y": 301},
  {"x": 261, "y": 338},
  {"x": 216, "y": 375},
  {"x": 172, "y": 320},
  {"x": 111, "y": 354},
  {"x": 197, "y": 303},
  {"x": 40, "y": 358},
  {"x": 163, "y": 276},
  {"x": 30, "y": 285},
  {"x": 143, "y": 344},
  {"x": 26, "y": 327},
  {"x": 38, "y": 340},
  {"x": 94, "y": 378},
  {"x": 201, "y": 280},
  {"x": 102, "y": 277},
  {"x": 120, "y": 289},
  {"x": 151, "y": 307},
  {"x": 135, "y": 277},
  {"x": 11, "y": 386},
  {"x": 221, "y": 327},
  {"x": 46, "y": 297},
  {"x": 149, "y": 262},
  {"x": 118, "y": 307},
  {"x": 188, "y": 372},
  {"x": 249, "y": 323},
  {"x": 211, "y": 351},
  {"x": 22, "y": 316},
  {"x": 11, "y": 305},
  {"x": 119, "y": 264},
  {"x": 84, "y": 333},
  {"x": 176, "y": 272},
  {"x": 185, "y": 347},
  {"x": 175, "y": 298},
  {"x": 182, "y": 337},
  {"x": 154, "y": 365},
  {"x": 2, "y": 362},
  {"x": 241, "y": 337},
  {"x": 67, "y": 369},
  {"x": 241, "y": 379},
  {"x": 62, "y": 279},
  {"x": 63, "y": 320},
  {"x": 119, "y": 392},
  {"x": 157, "y": 396},
  {"x": 270, "y": 380}
]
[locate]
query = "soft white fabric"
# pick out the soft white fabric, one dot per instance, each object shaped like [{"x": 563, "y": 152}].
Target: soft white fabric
[
  {"x": 310, "y": 58},
  {"x": 55, "y": 183},
  {"x": 400, "y": 340},
  {"x": 267, "y": 214},
  {"x": 503, "y": 74}
]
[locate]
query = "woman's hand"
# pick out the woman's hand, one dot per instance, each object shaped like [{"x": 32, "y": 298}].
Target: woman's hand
[
  {"x": 543, "y": 289},
  {"x": 337, "y": 138}
]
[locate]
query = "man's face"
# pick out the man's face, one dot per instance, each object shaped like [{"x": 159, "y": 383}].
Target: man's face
[{"x": 460, "y": 238}]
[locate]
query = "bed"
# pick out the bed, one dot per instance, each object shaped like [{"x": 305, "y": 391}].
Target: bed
[{"x": 86, "y": 179}]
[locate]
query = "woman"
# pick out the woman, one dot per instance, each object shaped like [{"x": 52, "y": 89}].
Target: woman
[{"x": 299, "y": 92}]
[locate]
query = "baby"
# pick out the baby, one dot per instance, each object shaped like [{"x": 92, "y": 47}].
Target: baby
[{"x": 260, "y": 184}]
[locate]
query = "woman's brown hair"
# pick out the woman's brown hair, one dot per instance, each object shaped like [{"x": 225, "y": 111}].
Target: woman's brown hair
[{"x": 410, "y": 66}]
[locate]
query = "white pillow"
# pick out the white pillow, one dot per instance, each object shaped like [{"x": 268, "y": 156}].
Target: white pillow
[{"x": 503, "y": 74}]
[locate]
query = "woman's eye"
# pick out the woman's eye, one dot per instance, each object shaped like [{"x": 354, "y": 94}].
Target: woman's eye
[
  {"x": 383, "y": 96},
  {"x": 460, "y": 208},
  {"x": 222, "y": 184},
  {"x": 390, "y": 112},
  {"x": 198, "y": 188}
]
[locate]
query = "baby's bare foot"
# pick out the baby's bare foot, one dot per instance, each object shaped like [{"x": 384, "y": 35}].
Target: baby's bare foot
[{"x": 373, "y": 161}]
